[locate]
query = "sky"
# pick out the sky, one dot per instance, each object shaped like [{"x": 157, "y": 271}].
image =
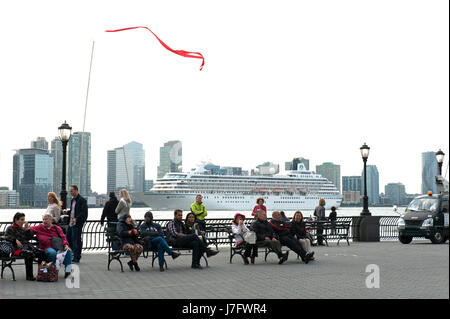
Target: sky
[{"x": 281, "y": 79}]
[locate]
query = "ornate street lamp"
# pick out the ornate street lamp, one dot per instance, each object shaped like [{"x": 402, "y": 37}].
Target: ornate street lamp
[
  {"x": 65, "y": 131},
  {"x": 365, "y": 155},
  {"x": 440, "y": 160}
]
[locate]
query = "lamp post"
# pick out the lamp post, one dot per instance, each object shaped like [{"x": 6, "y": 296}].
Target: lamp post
[
  {"x": 65, "y": 131},
  {"x": 365, "y": 155},
  {"x": 440, "y": 160}
]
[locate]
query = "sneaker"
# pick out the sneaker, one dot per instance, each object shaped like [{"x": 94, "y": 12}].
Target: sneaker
[
  {"x": 175, "y": 255},
  {"x": 131, "y": 265},
  {"x": 246, "y": 262},
  {"x": 136, "y": 267},
  {"x": 66, "y": 274},
  {"x": 211, "y": 253},
  {"x": 161, "y": 268}
]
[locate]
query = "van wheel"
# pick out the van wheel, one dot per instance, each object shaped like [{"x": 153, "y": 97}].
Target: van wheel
[
  {"x": 405, "y": 239},
  {"x": 438, "y": 238}
]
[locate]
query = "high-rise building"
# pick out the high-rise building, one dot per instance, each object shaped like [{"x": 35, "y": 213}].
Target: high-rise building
[
  {"x": 40, "y": 143},
  {"x": 373, "y": 184},
  {"x": 8, "y": 198},
  {"x": 56, "y": 154},
  {"x": 79, "y": 162},
  {"x": 331, "y": 172},
  {"x": 126, "y": 168},
  {"x": 148, "y": 185},
  {"x": 170, "y": 158},
  {"x": 395, "y": 193},
  {"x": 429, "y": 172},
  {"x": 293, "y": 165},
  {"x": 351, "y": 197},
  {"x": 351, "y": 183},
  {"x": 33, "y": 176},
  {"x": 213, "y": 169}
]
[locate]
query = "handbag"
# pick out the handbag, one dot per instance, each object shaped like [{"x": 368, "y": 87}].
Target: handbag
[
  {"x": 47, "y": 272},
  {"x": 250, "y": 237},
  {"x": 57, "y": 244},
  {"x": 6, "y": 248}
]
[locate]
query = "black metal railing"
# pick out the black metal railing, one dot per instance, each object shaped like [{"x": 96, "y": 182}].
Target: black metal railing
[{"x": 94, "y": 233}]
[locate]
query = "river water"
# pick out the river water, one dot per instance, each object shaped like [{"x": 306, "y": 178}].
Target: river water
[{"x": 6, "y": 215}]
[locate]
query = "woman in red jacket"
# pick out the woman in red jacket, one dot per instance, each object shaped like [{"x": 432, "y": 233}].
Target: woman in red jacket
[
  {"x": 259, "y": 206},
  {"x": 44, "y": 233}
]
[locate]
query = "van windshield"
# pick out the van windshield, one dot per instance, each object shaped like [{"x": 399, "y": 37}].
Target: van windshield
[{"x": 424, "y": 204}]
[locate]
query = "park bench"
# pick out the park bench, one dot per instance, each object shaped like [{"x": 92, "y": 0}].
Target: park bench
[
  {"x": 9, "y": 260},
  {"x": 115, "y": 252},
  {"x": 331, "y": 230}
]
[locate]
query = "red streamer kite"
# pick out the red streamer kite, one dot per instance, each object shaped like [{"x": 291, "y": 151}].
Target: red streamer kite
[{"x": 186, "y": 54}]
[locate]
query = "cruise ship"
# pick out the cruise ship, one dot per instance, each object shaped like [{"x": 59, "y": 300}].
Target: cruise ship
[{"x": 296, "y": 190}]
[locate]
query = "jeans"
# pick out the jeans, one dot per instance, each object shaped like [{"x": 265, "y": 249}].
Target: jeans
[
  {"x": 193, "y": 242},
  {"x": 201, "y": 225},
  {"x": 51, "y": 257},
  {"x": 162, "y": 246},
  {"x": 74, "y": 239}
]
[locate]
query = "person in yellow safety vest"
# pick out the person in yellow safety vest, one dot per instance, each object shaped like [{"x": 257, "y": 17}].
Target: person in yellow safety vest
[{"x": 199, "y": 210}]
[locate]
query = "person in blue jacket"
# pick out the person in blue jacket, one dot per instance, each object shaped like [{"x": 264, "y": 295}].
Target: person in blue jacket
[{"x": 154, "y": 239}]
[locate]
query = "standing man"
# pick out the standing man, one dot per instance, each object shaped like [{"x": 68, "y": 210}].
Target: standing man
[
  {"x": 199, "y": 210},
  {"x": 319, "y": 212},
  {"x": 78, "y": 215}
]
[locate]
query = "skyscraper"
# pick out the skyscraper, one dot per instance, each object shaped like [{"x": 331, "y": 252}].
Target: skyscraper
[
  {"x": 351, "y": 183},
  {"x": 170, "y": 158},
  {"x": 33, "y": 176},
  {"x": 429, "y": 172},
  {"x": 79, "y": 162},
  {"x": 40, "y": 143},
  {"x": 126, "y": 168},
  {"x": 56, "y": 154},
  {"x": 331, "y": 172},
  {"x": 395, "y": 193},
  {"x": 373, "y": 184}
]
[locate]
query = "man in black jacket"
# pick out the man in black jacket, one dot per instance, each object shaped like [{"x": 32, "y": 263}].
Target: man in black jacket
[
  {"x": 265, "y": 236},
  {"x": 282, "y": 231},
  {"x": 78, "y": 215},
  {"x": 109, "y": 211},
  {"x": 154, "y": 239}
]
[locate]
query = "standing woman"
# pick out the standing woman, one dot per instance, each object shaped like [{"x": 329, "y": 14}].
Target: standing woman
[
  {"x": 54, "y": 207},
  {"x": 123, "y": 208},
  {"x": 239, "y": 229},
  {"x": 299, "y": 231},
  {"x": 259, "y": 206},
  {"x": 319, "y": 212}
]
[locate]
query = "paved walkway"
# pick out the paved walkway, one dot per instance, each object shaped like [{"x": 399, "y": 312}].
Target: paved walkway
[{"x": 418, "y": 270}]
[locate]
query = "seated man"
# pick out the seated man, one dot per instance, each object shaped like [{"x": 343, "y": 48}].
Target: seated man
[
  {"x": 282, "y": 231},
  {"x": 154, "y": 239},
  {"x": 178, "y": 238},
  {"x": 265, "y": 236}
]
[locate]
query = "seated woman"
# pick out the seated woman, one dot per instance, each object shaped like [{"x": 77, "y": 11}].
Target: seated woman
[
  {"x": 44, "y": 233},
  {"x": 239, "y": 229},
  {"x": 19, "y": 234},
  {"x": 191, "y": 227},
  {"x": 130, "y": 242},
  {"x": 299, "y": 231}
]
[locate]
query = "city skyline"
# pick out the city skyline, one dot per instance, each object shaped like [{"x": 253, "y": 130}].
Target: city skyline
[{"x": 292, "y": 80}]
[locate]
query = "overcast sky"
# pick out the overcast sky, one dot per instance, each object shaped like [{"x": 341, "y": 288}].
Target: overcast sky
[{"x": 281, "y": 79}]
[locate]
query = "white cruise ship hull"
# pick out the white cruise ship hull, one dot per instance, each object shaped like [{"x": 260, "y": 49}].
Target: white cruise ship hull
[{"x": 222, "y": 202}]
